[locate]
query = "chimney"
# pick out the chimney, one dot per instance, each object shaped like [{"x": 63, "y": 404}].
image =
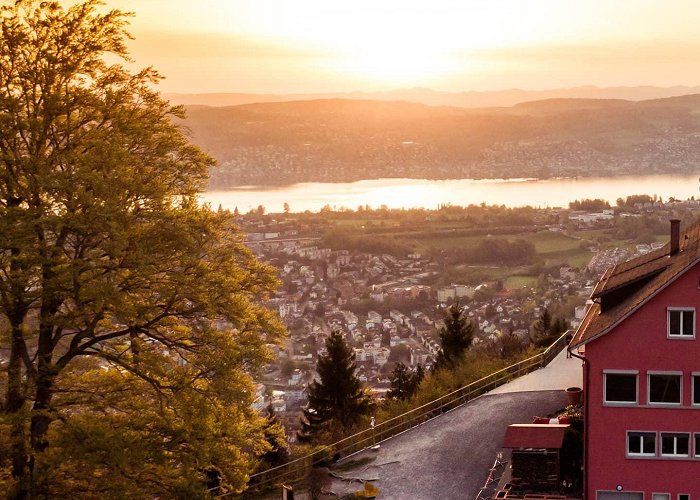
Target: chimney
[{"x": 675, "y": 237}]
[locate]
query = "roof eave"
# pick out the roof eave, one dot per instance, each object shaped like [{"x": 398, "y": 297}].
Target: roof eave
[{"x": 632, "y": 311}]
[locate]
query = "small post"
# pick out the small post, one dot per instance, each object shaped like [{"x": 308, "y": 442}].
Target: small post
[
  {"x": 287, "y": 492},
  {"x": 372, "y": 423}
]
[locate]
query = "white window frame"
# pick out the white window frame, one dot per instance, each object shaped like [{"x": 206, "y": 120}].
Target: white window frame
[
  {"x": 675, "y": 444},
  {"x": 656, "y": 403},
  {"x": 656, "y": 494},
  {"x": 692, "y": 388},
  {"x": 686, "y": 496},
  {"x": 641, "y": 454},
  {"x": 696, "y": 449},
  {"x": 680, "y": 336},
  {"x": 597, "y": 492},
  {"x": 605, "y": 387}
]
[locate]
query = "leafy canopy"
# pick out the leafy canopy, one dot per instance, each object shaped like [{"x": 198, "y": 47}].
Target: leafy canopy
[{"x": 131, "y": 316}]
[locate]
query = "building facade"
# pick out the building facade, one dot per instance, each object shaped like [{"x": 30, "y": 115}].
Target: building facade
[{"x": 642, "y": 376}]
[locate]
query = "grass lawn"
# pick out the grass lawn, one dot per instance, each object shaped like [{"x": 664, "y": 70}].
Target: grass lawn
[
  {"x": 544, "y": 241},
  {"x": 552, "y": 242},
  {"x": 517, "y": 282},
  {"x": 580, "y": 259}
]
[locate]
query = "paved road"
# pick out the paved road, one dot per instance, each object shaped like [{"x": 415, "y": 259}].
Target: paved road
[
  {"x": 449, "y": 456},
  {"x": 560, "y": 373}
]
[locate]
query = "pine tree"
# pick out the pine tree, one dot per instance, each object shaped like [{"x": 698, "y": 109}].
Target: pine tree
[
  {"x": 455, "y": 337},
  {"x": 278, "y": 453},
  {"x": 546, "y": 329},
  {"x": 404, "y": 381},
  {"x": 337, "y": 399}
]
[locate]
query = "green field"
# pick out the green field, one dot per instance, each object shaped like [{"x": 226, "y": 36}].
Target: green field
[
  {"x": 517, "y": 282},
  {"x": 547, "y": 242}
]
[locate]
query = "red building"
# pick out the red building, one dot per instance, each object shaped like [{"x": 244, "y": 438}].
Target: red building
[{"x": 641, "y": 365}]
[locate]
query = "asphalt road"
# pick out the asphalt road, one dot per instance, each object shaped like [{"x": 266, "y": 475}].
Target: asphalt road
[{"x": 449, "y": 456}]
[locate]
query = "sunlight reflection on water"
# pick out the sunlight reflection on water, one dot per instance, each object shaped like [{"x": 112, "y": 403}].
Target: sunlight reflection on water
[{"x": 409, "y": 193}]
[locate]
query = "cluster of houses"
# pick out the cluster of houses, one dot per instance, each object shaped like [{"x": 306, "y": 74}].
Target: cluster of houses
[
  {"x": 390, "y": 310},
  {"x": 609, "y": 258},
  {"x": 388, "y": 314}
]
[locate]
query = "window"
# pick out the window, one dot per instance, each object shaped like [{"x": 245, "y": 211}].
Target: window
[
  {"x": 641, "y": 444},
  {"x": 696, "y": 389},
  {"x": 665, "y": 388},
  {"x": 675, "y": 444},
  {"x": 697, "y": 446},
  {"x": 681, "y": 323},
  {"x": 683, "y": 496},
  {"x": 621, "y": 387},
  {"x": 661, "y": 496}
]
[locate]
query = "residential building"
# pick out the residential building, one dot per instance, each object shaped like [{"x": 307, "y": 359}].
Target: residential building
[{"x": 642, "y": 376}]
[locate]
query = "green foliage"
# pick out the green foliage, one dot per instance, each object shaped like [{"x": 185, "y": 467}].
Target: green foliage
[
  {"x": 134, "y": 317},
  {"x": 404, "y": 381},
  {"x": 640, "y": 228},
  {"x": 494, "y": 251},
  {"x": 589, "y": 205},
  {"x": 339, "y": 239},
  {"x": 509, "y": 346},
  {"x": 631, "y": 200},
  {"x": 475, "y": 364},
  {"x": 455, "y": 337},
  {"x": 337, "y": 400},
  {"x": 278, "y": 452},
  {"x": 546, "y": 329}
]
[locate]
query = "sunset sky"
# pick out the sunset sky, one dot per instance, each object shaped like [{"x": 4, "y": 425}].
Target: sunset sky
[{"x": 307, "y": 46}]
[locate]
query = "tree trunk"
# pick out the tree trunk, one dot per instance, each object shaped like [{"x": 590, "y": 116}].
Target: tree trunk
[
  {"x": 41, "y": 411},
  {"x": 41, "y": 419},
  {"x": 14, "y": 406}
]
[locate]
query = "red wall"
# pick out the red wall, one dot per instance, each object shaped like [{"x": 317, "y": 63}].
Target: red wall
[{"x": 640, "y": 343}]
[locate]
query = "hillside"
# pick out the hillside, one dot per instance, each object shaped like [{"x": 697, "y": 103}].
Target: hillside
[
  {"x": 338, "y": 140},
  {"x": 467, "y": 99}
]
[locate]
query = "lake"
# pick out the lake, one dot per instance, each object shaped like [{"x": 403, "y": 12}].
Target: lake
[{"x": 410, "y": 193}]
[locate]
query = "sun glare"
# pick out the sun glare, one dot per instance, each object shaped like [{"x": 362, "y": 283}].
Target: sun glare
[
  {"x": 392, "y": 65},
  {"x": 393, "y": 43}
]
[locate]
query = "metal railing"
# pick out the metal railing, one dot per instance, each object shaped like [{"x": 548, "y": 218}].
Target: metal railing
[{"x": 296, "y": 470}]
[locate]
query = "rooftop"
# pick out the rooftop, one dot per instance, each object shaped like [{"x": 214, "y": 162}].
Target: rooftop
[{"x": 627, "y": 286}]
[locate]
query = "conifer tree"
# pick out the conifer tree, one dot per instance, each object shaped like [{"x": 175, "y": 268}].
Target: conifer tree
[
  {"x": 455, "y": 337},
  {"x": 546, "y": 329},
  {"x": 278, "y": 452},
  {"x": 404, "y": 381},
  {"x": 337, "y": 399}
]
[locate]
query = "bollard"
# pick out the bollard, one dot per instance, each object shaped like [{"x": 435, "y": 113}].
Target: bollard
[{"x": 287, "y": 492}]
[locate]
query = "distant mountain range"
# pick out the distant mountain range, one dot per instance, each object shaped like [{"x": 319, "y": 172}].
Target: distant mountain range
[
  {"x": 340, "y": 140},
  {"x": 468, "y": 99}
]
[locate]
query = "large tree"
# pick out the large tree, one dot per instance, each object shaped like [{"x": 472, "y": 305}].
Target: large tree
[
  {"x": 131, "y": 316},
  {"x": 455, "y": 337},
  {"x": 337, "y": 399}
]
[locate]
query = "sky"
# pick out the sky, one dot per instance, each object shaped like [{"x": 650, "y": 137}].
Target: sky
[{"x": 314, "y": 46}]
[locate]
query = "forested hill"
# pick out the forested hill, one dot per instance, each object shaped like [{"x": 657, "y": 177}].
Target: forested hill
[{"x": 337, "y": 140}]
